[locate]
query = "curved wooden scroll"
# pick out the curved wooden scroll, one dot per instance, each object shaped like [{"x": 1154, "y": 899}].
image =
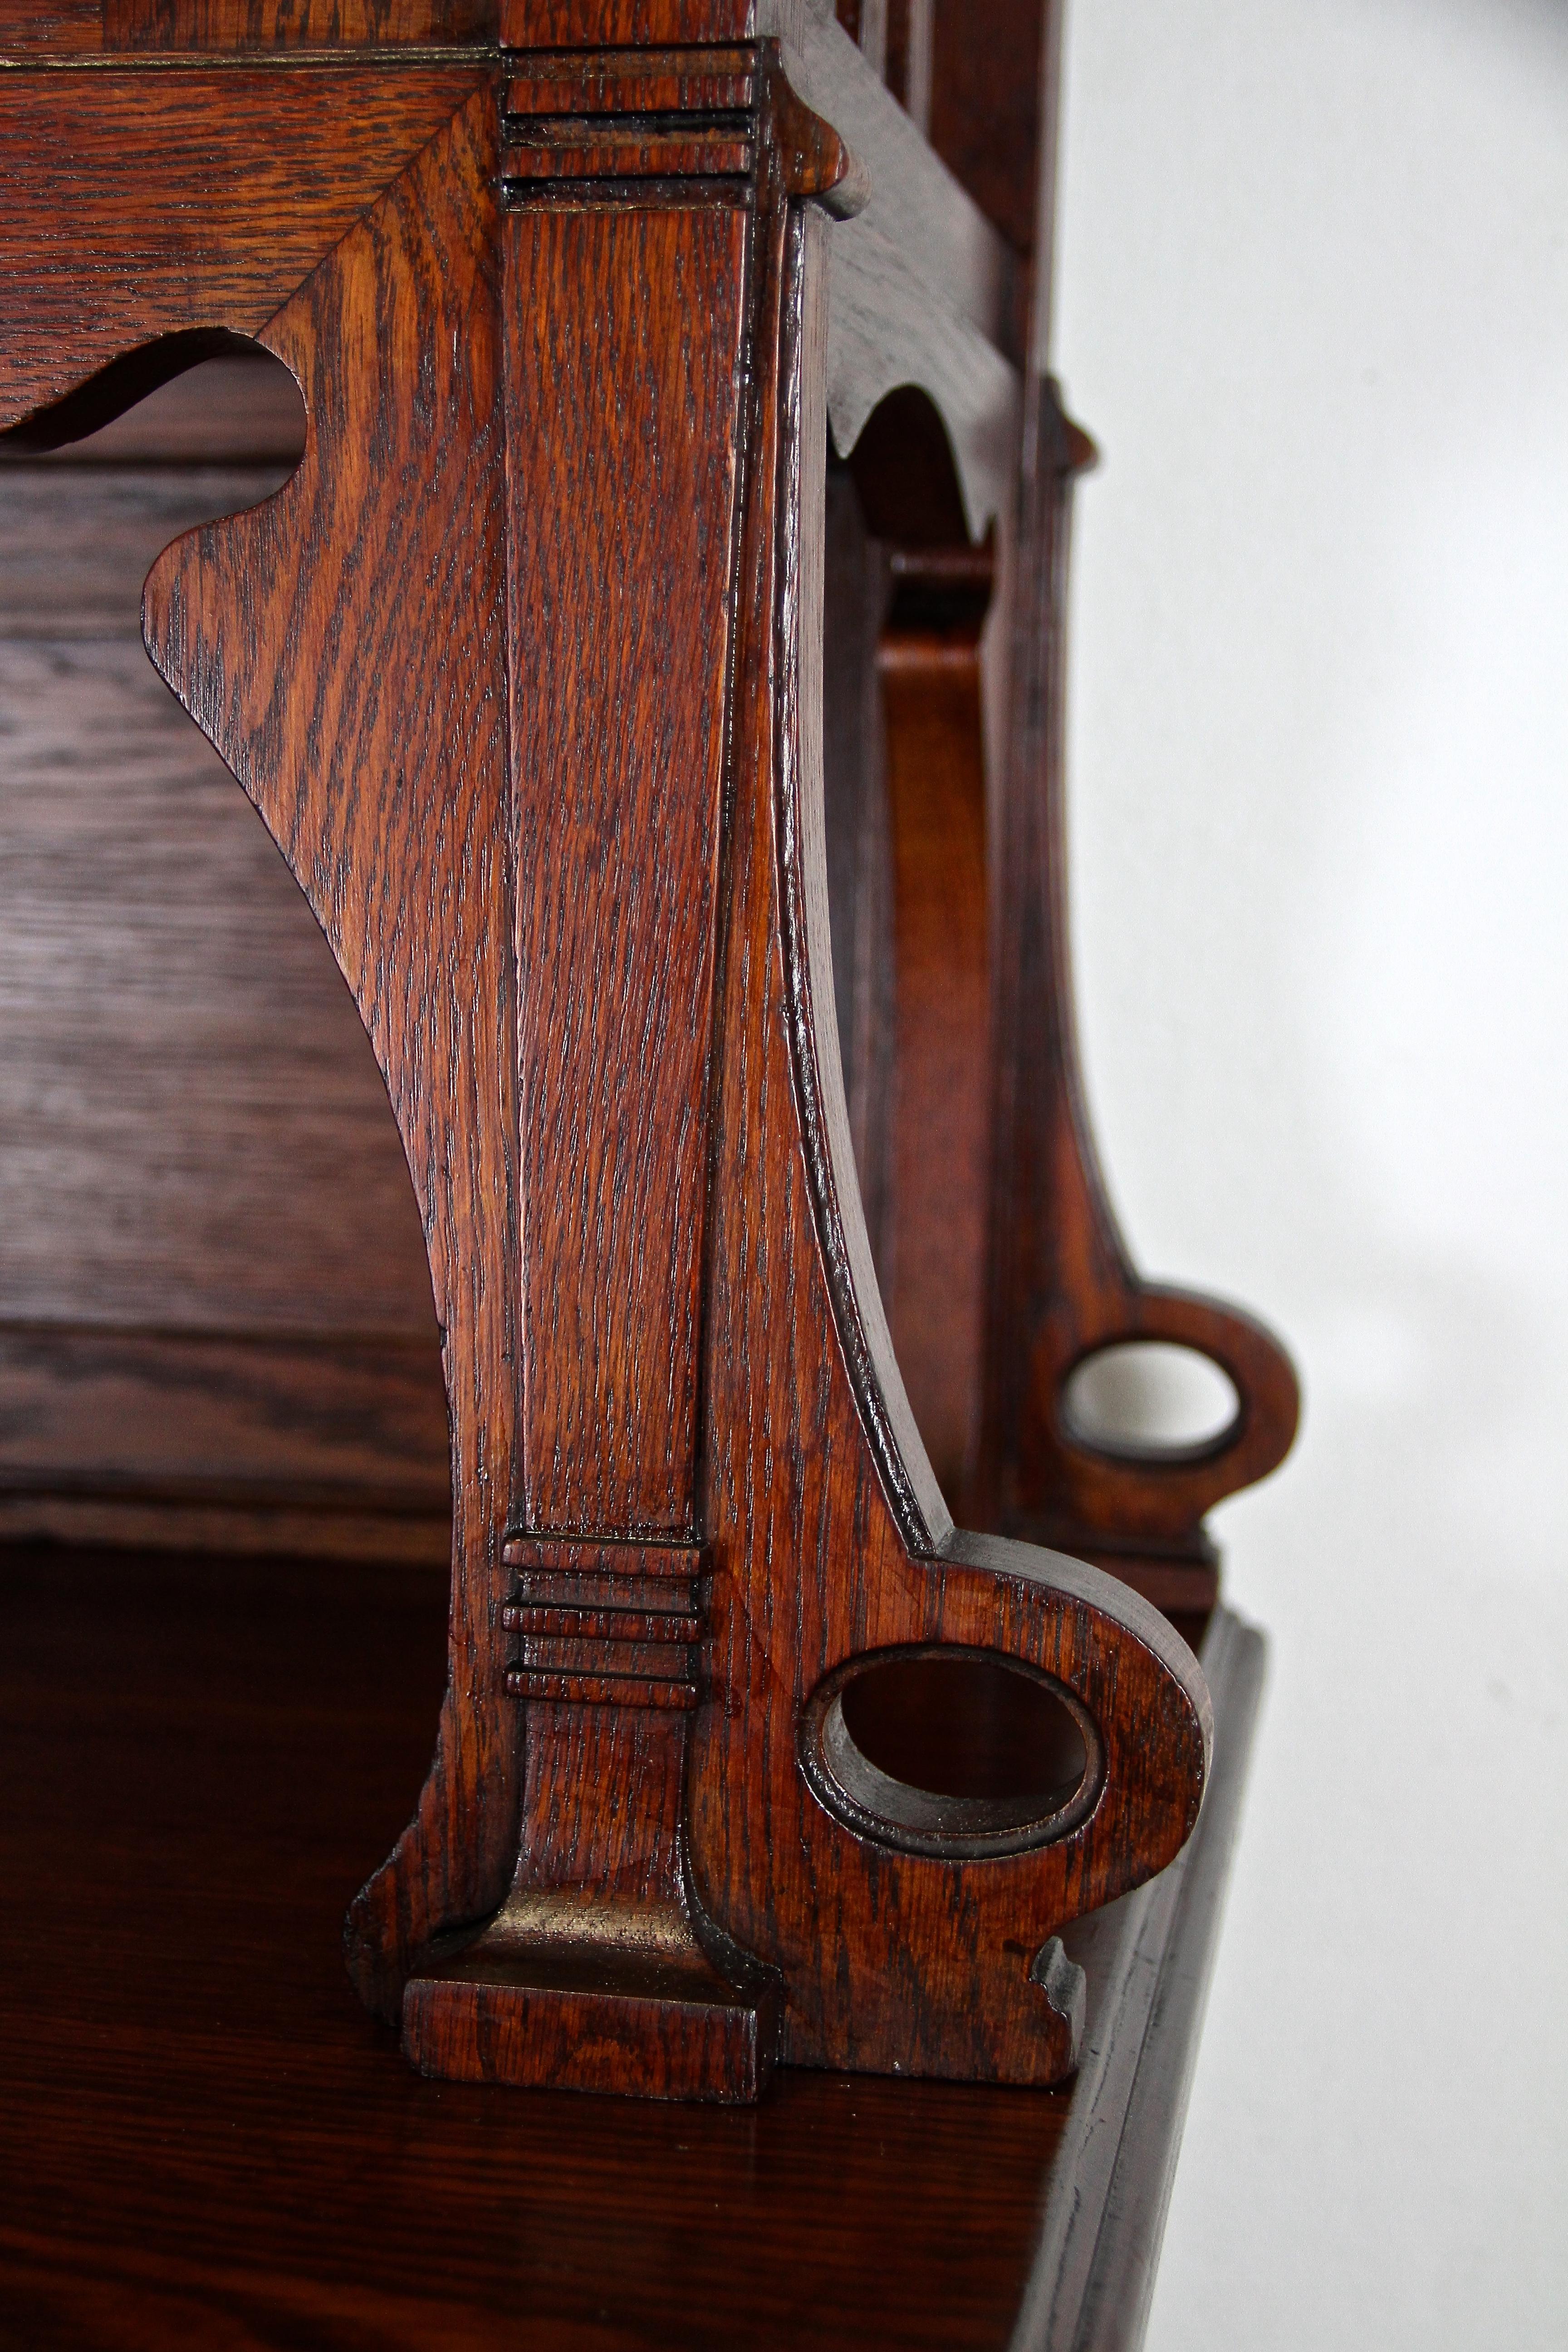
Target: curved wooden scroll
[
  {"x": 1002, "y": 1263},
  {"x": 521, "y": 669},
  {"x": 830, "y": 1537},
  {"x": 1062, "y": 1284}
]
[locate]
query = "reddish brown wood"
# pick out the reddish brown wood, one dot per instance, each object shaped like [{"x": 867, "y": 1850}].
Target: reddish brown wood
[
  {"x": 522, "y": 670},
  {"x": 935, "y": 1258},
  {"x": 386, "y": 788},
  {"x": 292, "y": 23},
  {"x": 220, "y": 227},
  {"x": 623, "y": 482},
  {"x": 196, "y": 1346},
  {"x": 986, "y": 105},
  {"x": 615, "y": 24},
  {"x": 66, "y": 28},
  {"x": 1062, "y": 1282},
  {"x": 203, "y": 2137}
]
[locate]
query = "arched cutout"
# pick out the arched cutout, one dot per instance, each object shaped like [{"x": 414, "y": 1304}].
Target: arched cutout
[
  {"x": 906, "y": 475},
  {"x": 129, "y": 381},
  {"x": 1148, "y": 1399},
  {"x": 216, "y": 1318}
]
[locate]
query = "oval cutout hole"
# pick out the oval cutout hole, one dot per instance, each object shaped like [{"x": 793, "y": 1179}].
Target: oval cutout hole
[
  {"x": 951, "y": 1751},
  {"x": 1149, "y": 1396}
]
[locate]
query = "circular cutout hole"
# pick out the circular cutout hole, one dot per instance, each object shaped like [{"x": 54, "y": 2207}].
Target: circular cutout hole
[
  {"x": 1149, "y": 1396},
  {"x": 951, "y": 1751}
]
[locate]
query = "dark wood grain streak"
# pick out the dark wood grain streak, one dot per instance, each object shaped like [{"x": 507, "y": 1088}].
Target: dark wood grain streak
[
  {"x": 197, "y": 1346},
  {"x": 393, "y": 812},
  {"x": 203, "y": 2138},
  {"x": 124, "y": 227},
  {"x": 622, "y": 24},
  {"x": 66, "y": 28},
  {"x": 233, "y": 1419},
  {"x": 75, "y": 543},
  {"x": 172, "y": 24},
  {"x": 624, "y": 450}
]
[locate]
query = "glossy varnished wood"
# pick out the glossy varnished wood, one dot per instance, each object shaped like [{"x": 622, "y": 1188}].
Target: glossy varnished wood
[
  {"x": 202, "y": 2138},
  {"x": 204, "y": 2132},
  {"x": 391, "y": 807},
  {"x": 522, "y": 670},
  {"x": 219, "y": 225},
  {"x": 176, "y": 25},
  {"x": 197, "y": 1345}
]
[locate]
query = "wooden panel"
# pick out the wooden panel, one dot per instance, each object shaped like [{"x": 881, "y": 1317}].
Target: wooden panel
[
  {"x": 76, "y": 544},
  {"x": 187, "y": 1097},
  {"x": 204, "y": 2140},
  {"x": 221, "y": 1417},
  {"x": 301, "y": 636},
  {"x": 942, "y": 1111},
  {"x": 292, "y": 23},
  {"x": 58, "y": 28},
  {"x": 591, "y": 24},
  {"x": 626, "y": 415},
  {"x": 155, "y": 225},
  {"x": 197, "y": 1344},
  {"x": 986, "y": 106}
]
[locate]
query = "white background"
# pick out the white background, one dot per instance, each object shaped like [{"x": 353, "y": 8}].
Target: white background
[{"x": 1313, "y": 303}]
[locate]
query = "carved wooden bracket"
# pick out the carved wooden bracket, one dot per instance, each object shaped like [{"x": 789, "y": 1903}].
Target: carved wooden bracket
[{"x": 523, "y": 671}]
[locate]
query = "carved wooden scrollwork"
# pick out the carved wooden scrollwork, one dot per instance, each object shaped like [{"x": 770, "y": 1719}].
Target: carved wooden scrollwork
[{"x": 522, "y": 670}]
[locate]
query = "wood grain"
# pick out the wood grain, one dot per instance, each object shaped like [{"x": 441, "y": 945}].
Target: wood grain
[
  {"x": 197, "y": 1346},
  {"x": 625, "y": 420},
  {"x": 534, "y": 717},
  {"x": 616, "y": 24},
  {"x": 131, "y": 25},
  {"x": 65, "y": 28},
  {"x": 240, "y": 409},
  {"x": 203, "y": 2138},
  {"x": 243, "y": 1419},
  {"x": 121, "y": 226},
  {"x": 75, "y": 543},
  {"x": 821, "y": 1512},
  {"x": 294, "y": 634}
]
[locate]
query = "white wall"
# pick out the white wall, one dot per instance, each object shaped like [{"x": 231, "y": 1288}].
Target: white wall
[{"x": 1313, "y": 302}]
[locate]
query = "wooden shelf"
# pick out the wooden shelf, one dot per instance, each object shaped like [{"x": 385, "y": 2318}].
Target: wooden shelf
[{"x": 204, "y": 2139}]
